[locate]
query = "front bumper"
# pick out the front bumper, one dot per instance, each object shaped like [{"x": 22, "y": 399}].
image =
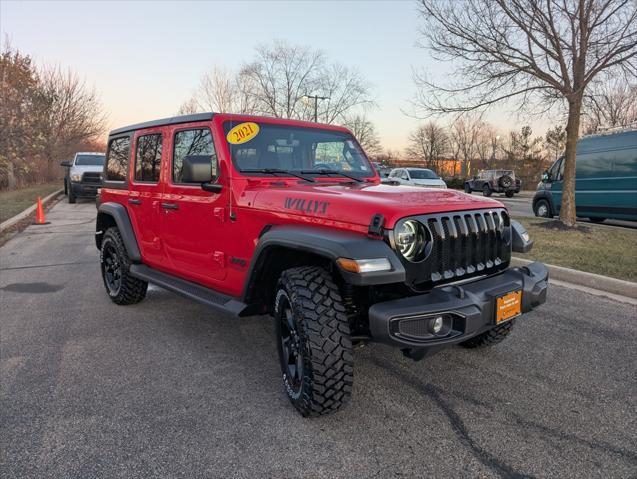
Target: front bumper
[
  {"x": 469, "y": 308},
  {"x": 85, "y": 190}
]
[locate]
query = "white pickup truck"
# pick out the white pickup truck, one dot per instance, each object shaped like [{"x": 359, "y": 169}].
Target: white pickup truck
[{"x": 83, "y": 175}]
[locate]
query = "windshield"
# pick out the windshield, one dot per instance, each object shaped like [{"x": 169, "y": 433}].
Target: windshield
[
  {"x": 422, "y": 175},
  {"x": 89, "y": 160},
  {"x": 297, "y": 149}
]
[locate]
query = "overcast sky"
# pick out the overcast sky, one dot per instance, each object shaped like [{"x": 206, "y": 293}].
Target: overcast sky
[{"x": 146, "y": 58}]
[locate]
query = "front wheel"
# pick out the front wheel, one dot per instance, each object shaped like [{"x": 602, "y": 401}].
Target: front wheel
[
  {"x": 490, "y": 337},
  {"x": 72, "y": 197},
  {"x": 313, "y": 339},
  {"x": 597, "y": 220},
  {"x": 486, "y": 190},
  {"x": 121, "y": 287},
  {"x": 542, "y": 209},
  {"x": 467, "y": 188}
]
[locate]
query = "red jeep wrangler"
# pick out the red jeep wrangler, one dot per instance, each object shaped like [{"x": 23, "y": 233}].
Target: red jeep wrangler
[{"x": 254, "y": 215}]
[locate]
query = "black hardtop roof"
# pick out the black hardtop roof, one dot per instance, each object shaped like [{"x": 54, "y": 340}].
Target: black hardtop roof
[{"x": 163, "y": 122}]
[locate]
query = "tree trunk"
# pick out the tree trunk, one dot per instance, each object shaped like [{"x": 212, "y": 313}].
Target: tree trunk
[{"x": 567, "y": 210}]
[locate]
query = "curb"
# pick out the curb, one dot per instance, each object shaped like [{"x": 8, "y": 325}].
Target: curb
[
  {"x": 589, "y": 280},
  {"x": 20, "y": 216}
]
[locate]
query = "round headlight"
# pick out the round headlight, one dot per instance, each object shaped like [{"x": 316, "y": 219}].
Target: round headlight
[{"x": 411, "y": 238}]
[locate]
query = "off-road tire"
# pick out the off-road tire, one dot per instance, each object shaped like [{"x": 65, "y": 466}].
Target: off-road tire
[
  {"x": 323, "y": 338},
  {"x": 131, "y": 290},
  {"x": 509, "y": 194},
  {"x": 490, "y": 337},
  {"x": 486, "y": 190},
  {"x": 72, "y": 196},
  {"x": 505, "y": 181},
  {"x": 542, "y": 205},
  {"x": 467, "y": 188}
]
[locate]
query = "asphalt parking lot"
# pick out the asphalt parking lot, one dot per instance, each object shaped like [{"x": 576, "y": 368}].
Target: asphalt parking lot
[{"x": 168, "y": 388}]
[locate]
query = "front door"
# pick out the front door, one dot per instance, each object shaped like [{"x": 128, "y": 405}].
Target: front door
[
  {"x": 192, "y": 224},
  {"x": 145, "y": 194}
]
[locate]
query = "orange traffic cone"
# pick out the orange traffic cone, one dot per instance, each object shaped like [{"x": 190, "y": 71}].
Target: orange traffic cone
[{"x": 39, "y": 213}]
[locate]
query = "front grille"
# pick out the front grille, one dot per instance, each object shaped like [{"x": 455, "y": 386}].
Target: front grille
[
  {"x": 92, "y": 177},
  {"x": 463, "y": 243}
]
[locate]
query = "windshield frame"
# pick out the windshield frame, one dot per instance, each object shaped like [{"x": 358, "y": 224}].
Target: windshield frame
[{"x": 229, "y": 123}]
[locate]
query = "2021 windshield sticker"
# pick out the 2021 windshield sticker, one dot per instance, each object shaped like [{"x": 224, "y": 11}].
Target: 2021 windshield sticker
[{"x": 242, "y": 133}]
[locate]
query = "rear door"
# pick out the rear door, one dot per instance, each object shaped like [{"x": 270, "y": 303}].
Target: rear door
[
  {"x": 145, "y": 193},
  {"x": 192, "y": 219}
]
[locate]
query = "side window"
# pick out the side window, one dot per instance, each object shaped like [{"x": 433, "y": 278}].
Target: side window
[
  {"x": 405, "y": 175},
  {"x": 117, "y": 159},
  {"x": 193, "y": 142},
  {"x": 148, "y": 158}
]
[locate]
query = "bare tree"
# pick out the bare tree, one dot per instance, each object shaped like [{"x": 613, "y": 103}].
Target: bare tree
[
  {"x": 464, "y": 133},
  {"x": 610, "y": 103},
  {"x": 537, "y": 51},
  {"x": 277, "y": 83},
  {"x": 555, "y": 141},
  {"x": 365, "y": 133},
  {"x": 428, "y": 144}
]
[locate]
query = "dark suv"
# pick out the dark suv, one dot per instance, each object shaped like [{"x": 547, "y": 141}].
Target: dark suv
[
  {"x": 253, "y": 215},
  {"x": 494, "y": 181}
]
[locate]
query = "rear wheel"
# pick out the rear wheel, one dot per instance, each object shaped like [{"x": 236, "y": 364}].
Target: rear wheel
[
  {"x": 121, "y": 287},
  {"x": 509, "y": 194},
  {"x": 313, "y": 339},
  {"x": 489, "y": 338},
  {"x": 542, "y": 209},
  {"x": 486, "y": 190},
  {"x": 467, "y": 188}
]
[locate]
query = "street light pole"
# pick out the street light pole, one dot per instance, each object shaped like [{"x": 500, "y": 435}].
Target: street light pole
[{"x": 316, "y": 98}]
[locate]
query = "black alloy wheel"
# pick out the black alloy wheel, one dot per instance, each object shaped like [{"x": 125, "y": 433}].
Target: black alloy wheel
[
  {"x": 111, "y": 269},
  {"x": 291, "y": 347}
]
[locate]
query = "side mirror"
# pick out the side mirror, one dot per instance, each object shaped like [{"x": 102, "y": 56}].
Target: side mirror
[
  {"x": 198, "y": 169},
  {"x": 545, "y": 177},
  {"x": 66, "y": 164}
]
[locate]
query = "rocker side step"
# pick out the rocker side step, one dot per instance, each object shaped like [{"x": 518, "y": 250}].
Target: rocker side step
[{"x": 190, "y": 290}]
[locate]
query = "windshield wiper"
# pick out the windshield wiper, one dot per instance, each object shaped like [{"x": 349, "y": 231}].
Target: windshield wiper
[
  {"x": 325, "y": 171},
  {"x": 276, "y": 171}
]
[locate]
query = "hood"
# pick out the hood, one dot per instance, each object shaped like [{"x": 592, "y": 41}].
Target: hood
[{"x": 356, "y": 204}]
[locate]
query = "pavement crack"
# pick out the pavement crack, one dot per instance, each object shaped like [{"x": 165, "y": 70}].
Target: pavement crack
[
  {"x": 456, "y": 422},
  {"x": 35, "y": 266}
]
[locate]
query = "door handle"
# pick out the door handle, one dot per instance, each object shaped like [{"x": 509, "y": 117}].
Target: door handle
[
  {"x": 170, "y": 206},
  {"x": 134, "y": 201}
]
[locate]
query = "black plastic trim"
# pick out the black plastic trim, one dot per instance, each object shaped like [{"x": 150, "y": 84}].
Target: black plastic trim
[
  {"x": 331, "y": 245},
  {"x": 473, "y": 301},
  {"x": 518, "y": 243},
  {"x": 122, "y": 220},
  {"x": 174, "y": 120},
  {"x": 190, "y": 290}
]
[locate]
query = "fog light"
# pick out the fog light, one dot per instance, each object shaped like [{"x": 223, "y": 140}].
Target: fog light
[{"x": 436, "y": 324}]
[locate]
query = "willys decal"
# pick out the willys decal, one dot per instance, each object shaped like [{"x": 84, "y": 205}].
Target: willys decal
[{"x": 307, "y": 206}]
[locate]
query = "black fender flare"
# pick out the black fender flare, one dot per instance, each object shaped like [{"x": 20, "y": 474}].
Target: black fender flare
[
  {"x": 120, "y": 215},
  {"x": 330, "y": 245}
]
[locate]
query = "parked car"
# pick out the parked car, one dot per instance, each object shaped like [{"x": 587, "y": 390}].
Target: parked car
[
  {"x": 416, "y": 177},
  {"x": 253, "y": 215},
  {"x": 494, "y": 181},
  {"x": 605, "y": 179},
  {"x": 83, "y": 175}
]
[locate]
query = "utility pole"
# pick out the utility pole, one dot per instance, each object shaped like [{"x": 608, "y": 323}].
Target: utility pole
[{"x": 316, "y": 98}]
